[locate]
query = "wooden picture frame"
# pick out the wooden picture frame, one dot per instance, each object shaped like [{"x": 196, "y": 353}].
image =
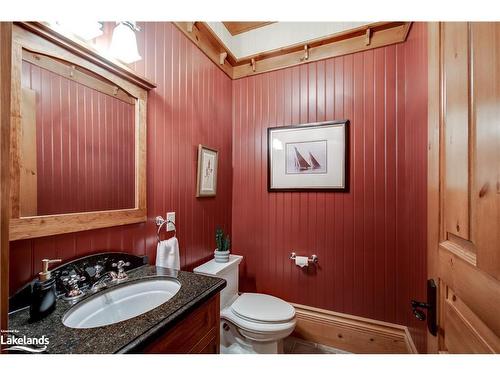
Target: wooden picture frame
[
  {"x": 39, "y": 39},
  {"x": 325, "y": 166},
  {"x": 206, "y": 181}
]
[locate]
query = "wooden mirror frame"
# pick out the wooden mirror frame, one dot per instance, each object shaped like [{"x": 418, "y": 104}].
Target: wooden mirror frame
[{"x": 41, "y": 39}]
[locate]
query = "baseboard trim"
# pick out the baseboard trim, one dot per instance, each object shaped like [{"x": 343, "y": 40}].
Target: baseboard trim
[{"x": 352, "y": 333}]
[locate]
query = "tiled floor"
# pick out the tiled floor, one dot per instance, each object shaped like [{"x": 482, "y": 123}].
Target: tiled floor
[{"x": 293, "y": 345}]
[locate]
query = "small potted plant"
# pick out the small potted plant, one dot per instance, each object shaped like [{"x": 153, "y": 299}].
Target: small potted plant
[{"x": 221, "y": 254}]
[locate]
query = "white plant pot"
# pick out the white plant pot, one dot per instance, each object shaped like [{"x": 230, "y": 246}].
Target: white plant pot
[{"x": 221, "y": 256}]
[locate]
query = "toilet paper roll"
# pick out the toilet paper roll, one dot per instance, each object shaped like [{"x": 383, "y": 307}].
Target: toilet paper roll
[{"x": 301, "y": 261}]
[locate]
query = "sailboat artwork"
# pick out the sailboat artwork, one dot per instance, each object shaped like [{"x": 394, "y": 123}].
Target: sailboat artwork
[{"x": 306, "y": 157}]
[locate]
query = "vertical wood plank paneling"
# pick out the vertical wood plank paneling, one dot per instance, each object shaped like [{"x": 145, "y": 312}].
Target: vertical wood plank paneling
[
  {"x": 371, "y": 241},
  {"x": 191, "y": 105}
]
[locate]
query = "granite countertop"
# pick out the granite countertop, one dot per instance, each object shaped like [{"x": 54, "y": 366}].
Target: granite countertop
[{"x": 126, "y": 336}]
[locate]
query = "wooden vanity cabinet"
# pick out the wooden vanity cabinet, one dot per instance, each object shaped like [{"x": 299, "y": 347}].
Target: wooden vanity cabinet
[{"x": 198, "y": 333}]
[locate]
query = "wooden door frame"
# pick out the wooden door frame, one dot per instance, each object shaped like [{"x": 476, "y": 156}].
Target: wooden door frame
[
  {"x": 434, "y": 114},
  {"x": 5, "y": 90}
]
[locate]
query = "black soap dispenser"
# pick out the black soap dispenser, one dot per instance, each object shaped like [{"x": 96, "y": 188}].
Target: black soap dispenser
[{"x": 43, "y": 293}]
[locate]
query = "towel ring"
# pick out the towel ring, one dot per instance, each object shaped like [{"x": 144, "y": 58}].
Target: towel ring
[{"x": 160, "y": 221}]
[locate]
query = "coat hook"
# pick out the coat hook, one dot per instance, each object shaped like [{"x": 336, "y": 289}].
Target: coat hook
[
  {"x": 368, "y": 36},
  {"x": 190, "y": 26},
  {"x": 253, "y": 65},
  {"x": 72, "y": 71},
  {"x": 306, "y": 53},
  {"x": 222, "y": 58},
  {"x": 115, "y": 90}
]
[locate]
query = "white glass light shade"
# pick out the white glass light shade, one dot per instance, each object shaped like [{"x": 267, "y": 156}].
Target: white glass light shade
[{"x": 124, "y": 44}]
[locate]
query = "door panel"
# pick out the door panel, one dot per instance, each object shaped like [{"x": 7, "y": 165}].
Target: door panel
[
  {"x": 461, "y": 336},
  {"x": 479, "y": 291},
  {"x": 456, "y": 128},
  {"x": 464, "y": 223},
  {"x": 486, "y": 106}
]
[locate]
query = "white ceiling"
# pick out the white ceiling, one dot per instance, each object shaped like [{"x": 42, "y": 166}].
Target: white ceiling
[{"x": 277, "y": 35}]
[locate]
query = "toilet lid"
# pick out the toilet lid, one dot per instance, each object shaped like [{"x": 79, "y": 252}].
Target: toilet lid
[{"x": 262, "y": 308}]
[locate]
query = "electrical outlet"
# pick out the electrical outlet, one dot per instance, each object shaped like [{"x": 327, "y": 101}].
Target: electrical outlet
[{"x": 170, "y": 219}]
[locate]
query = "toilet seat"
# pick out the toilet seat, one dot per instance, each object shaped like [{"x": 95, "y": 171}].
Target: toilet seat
[
  {"x": 262, "y": 308},
  {"x": 258, "y": 322}
]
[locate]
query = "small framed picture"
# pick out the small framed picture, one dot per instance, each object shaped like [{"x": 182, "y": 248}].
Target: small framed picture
[
  {"x": 308, "y": 157},
  {"x": 206, "y": 185}
]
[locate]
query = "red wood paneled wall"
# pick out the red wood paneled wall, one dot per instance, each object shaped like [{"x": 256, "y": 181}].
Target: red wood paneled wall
[
  {"x": 371, "y": 241},
  {"x": 191, "y": 105},
  {"x": 85, "y": 145}
]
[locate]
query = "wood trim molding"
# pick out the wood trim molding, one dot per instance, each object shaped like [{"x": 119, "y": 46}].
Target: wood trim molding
[
  {"x": 338, "y": 44},
  {"x": 49, "y": 225},
  {"x": 5, "y": 58},
  {"x": 352, "y": 333},
  {"x": 360, "y": 31}
]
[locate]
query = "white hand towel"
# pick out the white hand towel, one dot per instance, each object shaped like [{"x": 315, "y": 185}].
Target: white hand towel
[{"x": 167, "y": 254}]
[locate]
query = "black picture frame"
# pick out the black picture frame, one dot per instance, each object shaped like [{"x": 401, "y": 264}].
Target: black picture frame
[{"x": 345, "y": 189}]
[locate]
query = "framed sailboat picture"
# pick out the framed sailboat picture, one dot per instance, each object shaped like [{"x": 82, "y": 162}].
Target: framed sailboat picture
[
  {"x": 308, "y": 157},
  {"x": 207, "y": 172}
]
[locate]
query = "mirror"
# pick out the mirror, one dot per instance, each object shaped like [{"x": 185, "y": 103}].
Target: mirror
[
  {"x": 77, "y": 141},
  {"x": 78, "y": 137}
]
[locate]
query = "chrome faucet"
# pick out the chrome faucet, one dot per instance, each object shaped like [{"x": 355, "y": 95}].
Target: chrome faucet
[
  {"x": 109, "y": 277},
  {"x": 121, "y": 270},
  {"x": 98, "y": 269},
  {"x": 101, "y": 282},
  {"x": 73, "y": 289}
]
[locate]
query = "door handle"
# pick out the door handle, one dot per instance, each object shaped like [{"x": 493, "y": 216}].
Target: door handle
[{"x": 431, "y": 304}]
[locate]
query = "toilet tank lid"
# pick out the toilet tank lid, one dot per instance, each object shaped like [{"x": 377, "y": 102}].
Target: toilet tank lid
[
  {"x": 212, "y": 268},
  {"x": 263, "y": 308}
]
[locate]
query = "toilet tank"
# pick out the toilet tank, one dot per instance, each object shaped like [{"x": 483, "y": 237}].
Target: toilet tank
[{"x": 227, "y": 271}]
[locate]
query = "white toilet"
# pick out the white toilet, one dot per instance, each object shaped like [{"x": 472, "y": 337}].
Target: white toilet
[{"x": 250, "y": 322}]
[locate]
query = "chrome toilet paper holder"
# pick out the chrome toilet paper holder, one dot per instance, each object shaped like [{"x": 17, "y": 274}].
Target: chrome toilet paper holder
[{"x": 312, "y": 259}]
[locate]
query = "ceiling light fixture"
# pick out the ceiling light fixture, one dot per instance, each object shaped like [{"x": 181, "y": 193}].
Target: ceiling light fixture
[{"x": 124, "y": 42}]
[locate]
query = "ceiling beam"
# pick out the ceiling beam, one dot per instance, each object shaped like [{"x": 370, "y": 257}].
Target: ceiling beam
[{"x": 236, "y": 28}]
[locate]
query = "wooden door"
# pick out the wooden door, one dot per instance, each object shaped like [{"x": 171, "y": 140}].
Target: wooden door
[
  {"x": 5, "y": 62},
  {"x": 464, "y": 185}
]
